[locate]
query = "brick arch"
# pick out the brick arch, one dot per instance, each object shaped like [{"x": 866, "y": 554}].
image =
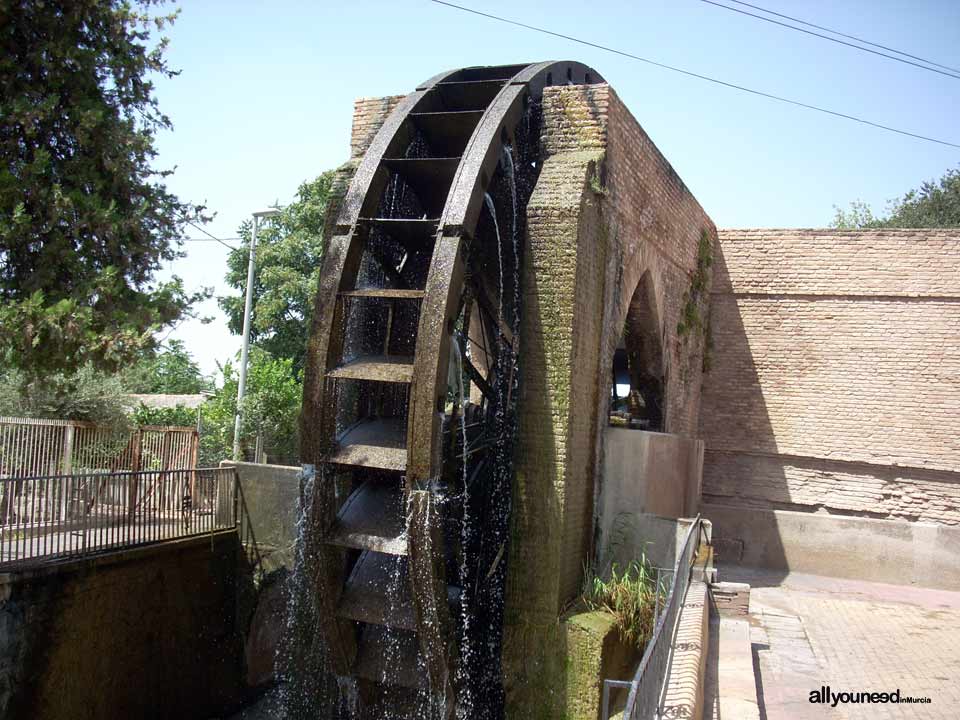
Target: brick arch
[{"x": 640, "y": 351}]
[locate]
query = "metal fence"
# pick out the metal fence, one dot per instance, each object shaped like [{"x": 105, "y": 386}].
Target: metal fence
[
  {"x": 65, "y": 516},
  {"x": 35, "y": 448},
  {"x": 648, "y": 688}
]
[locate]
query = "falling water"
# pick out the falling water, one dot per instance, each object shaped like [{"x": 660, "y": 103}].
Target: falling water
[
  {"x": 458, "y": 363},
  {"x": 350, "y": 694},
  {"x": 492, "y": 576},
  {"x": 510, "y": 172},
  {"x": 483, "y": 572},
  {"x": 392, "y": 637},
  {"x": 466, "y": 530},
  {"x": 493, "y": 213},
  {"x": 307, "y": 689}
]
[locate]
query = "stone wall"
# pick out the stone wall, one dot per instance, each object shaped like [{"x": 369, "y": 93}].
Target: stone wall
[
  {"x": 607, "y": 211},
  {"x": 887, "y": 551},
  {"x": 146, "y": 633},
  {"x": 834, "y": 374},
  {"x": 271, "y": 494}
]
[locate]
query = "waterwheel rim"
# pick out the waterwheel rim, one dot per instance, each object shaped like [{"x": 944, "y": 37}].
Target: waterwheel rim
[{"x": 433, "y": 253}]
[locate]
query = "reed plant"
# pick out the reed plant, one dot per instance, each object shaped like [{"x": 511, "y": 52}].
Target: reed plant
[{"x": 630, "y": 595}]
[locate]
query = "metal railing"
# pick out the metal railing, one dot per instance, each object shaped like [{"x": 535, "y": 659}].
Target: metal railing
[
  {"x": 648, "y": 687},
  {"x": 69, "y": 516},
  {"x": 32, "y": 448}
]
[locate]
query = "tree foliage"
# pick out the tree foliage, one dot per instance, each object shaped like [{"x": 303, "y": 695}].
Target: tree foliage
[
  {"x": 172, "y": 370},
  {"x": 934, "y": 204},
  {"x": 179, "y": 416},
  {"x": 85, "y": 221},
  {"x": 86, "y": 394},
  {"x": 288, "y": 255},
  {"x": 271, "y": 407}
]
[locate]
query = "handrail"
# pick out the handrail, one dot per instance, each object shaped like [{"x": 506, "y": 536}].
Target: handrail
[{"x": 55, "y": 517}]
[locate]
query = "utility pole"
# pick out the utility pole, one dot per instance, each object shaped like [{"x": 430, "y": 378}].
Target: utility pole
[{"x": 247, "y": 311}]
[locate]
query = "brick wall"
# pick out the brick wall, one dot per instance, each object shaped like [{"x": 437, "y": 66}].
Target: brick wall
[
  {"x": 607, "y": 211},
  {"x": 834, "y": 382},
  {"x": 634, "y": 218},
  {"x": 657, "y": 223},
  {"x": 369, "y": 115}
]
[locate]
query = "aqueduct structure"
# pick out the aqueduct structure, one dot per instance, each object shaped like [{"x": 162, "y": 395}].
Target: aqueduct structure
[{"x": 494, "y": 233}]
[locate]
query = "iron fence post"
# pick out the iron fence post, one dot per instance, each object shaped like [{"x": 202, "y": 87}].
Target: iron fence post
[
  {"x": 236, "y": 497},
  {"x": 656, "y": 609}
]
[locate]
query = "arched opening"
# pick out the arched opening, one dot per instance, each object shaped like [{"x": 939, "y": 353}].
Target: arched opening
[{"x": 637, "y": 377}]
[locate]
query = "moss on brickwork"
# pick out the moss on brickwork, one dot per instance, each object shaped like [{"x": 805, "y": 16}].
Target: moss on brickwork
[
  {"x": 574, "y": 118},
  {"x": 578, "y": 249},
  {"x": 146, "y": 633},
  {"x": 561, "y": 671},
  {"x": 598, "y": 183},
  {"x": 693, "y": 327},
  {"x": 595, "y": 223},
  {"x": 594, "y": 652},
  {"x": 338, "y": 191},
  {"x": 535, "y": 674},
  {"x": 586, "y": 635},
  {"x": 534, "y": 648},
  {"x": 692, "y": 318}
]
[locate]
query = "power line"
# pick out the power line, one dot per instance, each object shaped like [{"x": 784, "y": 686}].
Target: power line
[
  {"x": 209, "y": 235},
  {"x": 188, "y": 239},
  {"x": 689, "y": 73},
  {"x": 831, "y": 39},
  {"x": 849, "y": 37}
]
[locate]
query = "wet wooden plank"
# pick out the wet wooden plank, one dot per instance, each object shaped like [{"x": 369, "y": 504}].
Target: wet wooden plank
[
  {"x": 373, "y": 443},
  {"x": 372, "y": 518},
  {"x": 389, "y": 657},
  {"x": 378, "y": 592},
  {"x": 410, "y": 232},
  {"x": 429, "y": 390},
  {"x": 429, "y": 589},
  {"x": 378, "y": 368},
  {"x": 387, "y": 293}
]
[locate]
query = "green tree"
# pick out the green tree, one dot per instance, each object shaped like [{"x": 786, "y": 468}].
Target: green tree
[
  {"x": 85, "y": 394},
  {"x": 171, "y": 370},
  {"x": 85, "y": 220},
  {"x": 180, "y": 416},
  {"x": 289, "y": 251},
  {"x": 271, "y": 408},
  {"x": 935, "y": 204}
]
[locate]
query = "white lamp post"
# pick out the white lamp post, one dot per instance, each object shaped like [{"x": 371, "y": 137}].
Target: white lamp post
[{"x": 247, "y": 310}]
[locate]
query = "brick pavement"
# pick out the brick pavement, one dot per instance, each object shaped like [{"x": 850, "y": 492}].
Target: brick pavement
[{"x": 809, "y": 631}]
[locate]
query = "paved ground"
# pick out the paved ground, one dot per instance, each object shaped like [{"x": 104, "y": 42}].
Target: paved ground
[{"x": 807, "y": 631}]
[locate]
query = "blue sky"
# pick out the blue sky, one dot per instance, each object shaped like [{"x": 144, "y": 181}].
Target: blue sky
[{"x": 265, "y": 96}]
